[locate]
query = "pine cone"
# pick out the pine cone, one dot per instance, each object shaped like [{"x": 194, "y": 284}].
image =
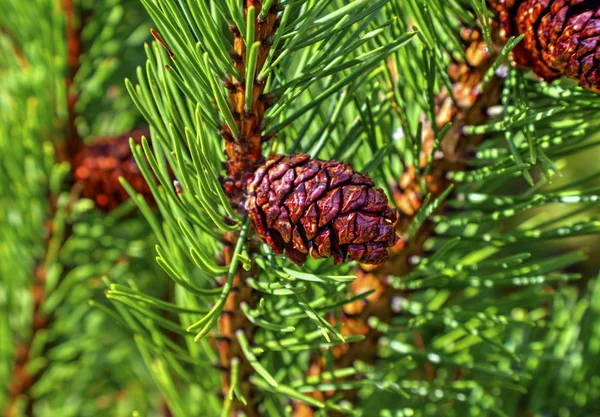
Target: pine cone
[
  {"x": 98, "y": 168},
  {"x": 562, "y": 37},
  {"x": 322, "y": 208}
]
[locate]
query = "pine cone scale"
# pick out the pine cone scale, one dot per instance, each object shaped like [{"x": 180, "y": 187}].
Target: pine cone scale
[
  {"x": 329, "y": 206},
  {"x": 316, "y": 187},
  {"x": 302, "y": 207},
  {"x": 309, "y": 222},
  {"x": 344, "y": 226}
]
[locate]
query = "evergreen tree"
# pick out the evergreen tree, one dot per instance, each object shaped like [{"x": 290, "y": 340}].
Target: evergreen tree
[{"x": 444, "y": 267}]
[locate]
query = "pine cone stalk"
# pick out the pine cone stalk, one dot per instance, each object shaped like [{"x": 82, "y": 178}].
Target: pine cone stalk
[{"x": 562, "y": 37}]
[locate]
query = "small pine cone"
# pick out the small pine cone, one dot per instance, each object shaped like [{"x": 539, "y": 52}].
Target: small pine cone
[
  {"x": 562, "y": 37},
  {"x": 323, "y": 208},
  {"x": 97, "y": 168}
]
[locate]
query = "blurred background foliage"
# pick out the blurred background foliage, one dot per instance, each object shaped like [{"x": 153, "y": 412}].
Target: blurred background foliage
[{"x": 83, "y": 362}]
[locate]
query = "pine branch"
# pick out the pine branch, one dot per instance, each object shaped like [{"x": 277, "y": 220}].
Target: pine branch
[
  {"x": 73, "y": 29},
  {"x": 244, "y": 151},
  {"x": 189, "y": 147},
  {"x": 58, "y": 231},
  {"x": 416, "y": 272},
  {"x": 244, "y": 112},
  {"x": 444, "y": 149},
  {"x": 66, "y": 158},
  {"x": 186, "y": 93},
  {"x": 246, "y": 99},
  {"x": 22, "y": 379},
  {"x": 60, "y": 360}
]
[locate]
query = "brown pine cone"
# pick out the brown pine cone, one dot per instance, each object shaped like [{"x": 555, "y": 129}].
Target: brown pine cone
[
  {"x": 322, "y": 208},
  {"x": 97, "y": 168},
  {"x": 562, "y": 37}
]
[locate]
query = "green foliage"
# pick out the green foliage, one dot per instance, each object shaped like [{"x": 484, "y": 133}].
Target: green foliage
[
  {"x": 27, "y": 170},
  {"x": 85, "y": 362},
  {"x": 491, "y": 321},
  {"x": 338, "y": 99}
]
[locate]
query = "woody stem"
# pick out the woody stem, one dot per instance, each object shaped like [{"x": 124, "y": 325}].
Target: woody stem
[{"x": 244, "y": 155}]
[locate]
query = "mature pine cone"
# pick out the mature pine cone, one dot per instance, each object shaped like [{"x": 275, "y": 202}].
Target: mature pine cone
[
  {"x": 97, "y": 168},
  {"x": 562, "y": 37},
  {"x": 322, "y": 208}
]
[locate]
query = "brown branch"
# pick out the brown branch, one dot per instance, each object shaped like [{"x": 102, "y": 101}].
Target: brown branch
[
  {"x": 73, "y": 141},
  {"x": 21, "y": 379},
  {"x": 245, "y": 153},
  {"x": 244, "y": 156},
  {"x": 231, "y": 321},
  {"x": 470, "y": 109}
]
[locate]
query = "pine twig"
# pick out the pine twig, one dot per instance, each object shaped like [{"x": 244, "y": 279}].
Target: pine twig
[
  {"x": 244, "y": 154},
  {"x": 73, "y": 140}
]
